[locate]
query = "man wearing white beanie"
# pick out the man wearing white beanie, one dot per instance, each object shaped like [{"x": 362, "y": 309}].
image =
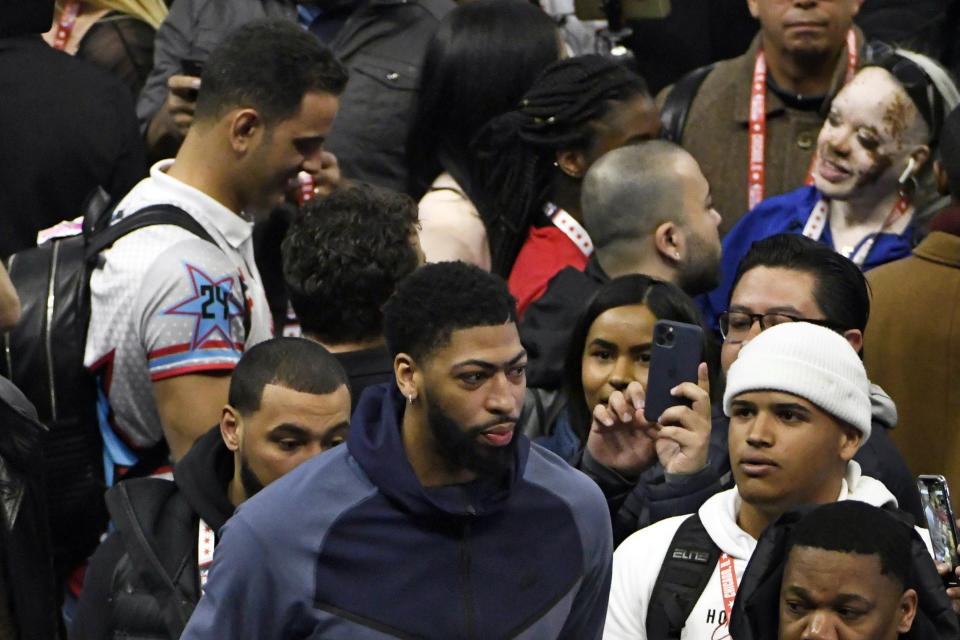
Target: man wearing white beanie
[{"x": 799, "y": 407}]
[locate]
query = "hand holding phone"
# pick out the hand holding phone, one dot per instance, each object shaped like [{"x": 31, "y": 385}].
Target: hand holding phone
[
  {"x": 941, "y": 523},
  {"x": 675, "y": 355}
]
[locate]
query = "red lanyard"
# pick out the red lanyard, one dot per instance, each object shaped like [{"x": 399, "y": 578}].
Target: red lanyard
[
  {"x": 728, "y": 583},
  {"x": 570, "y": 227},
  {"x": 813, "y": 229},
  {"x": 758, "y": 120},
  {"x": 67, "y": 20},
  {"x": 205, "y": 543},
  {"x": 306, "y": 187}
]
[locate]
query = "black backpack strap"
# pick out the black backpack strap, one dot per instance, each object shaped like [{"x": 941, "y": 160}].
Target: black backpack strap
[
  {"x": 687, "y": 567},
  {"x": 673, "y": 114},
  {"x": 154, "y": 215},
  {"x": 146, "y": 217}
]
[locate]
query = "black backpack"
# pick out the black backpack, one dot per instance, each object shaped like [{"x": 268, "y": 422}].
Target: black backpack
[
  {"x": 676, "y": 106},
  {"x": 44, "y": 358}
]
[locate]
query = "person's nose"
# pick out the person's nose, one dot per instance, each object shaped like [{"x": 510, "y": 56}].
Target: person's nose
[
  {"x": 819, "y": 627},
  {"x": 621, "y": 376},
  {"x": 760, "y": 433},
  {"x": 501, "y": 399}
]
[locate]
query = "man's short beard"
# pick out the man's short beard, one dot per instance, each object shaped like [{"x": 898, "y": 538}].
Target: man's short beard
[
  {"x": 248, "y": 479},
  {"x": 701, "y": 273},
  {"x": 460, "y": 449}
]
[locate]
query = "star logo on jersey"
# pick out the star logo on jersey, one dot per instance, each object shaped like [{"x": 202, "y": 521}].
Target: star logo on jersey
[{"x": 213, "y": 305}]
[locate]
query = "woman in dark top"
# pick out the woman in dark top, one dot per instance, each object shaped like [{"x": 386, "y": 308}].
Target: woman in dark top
[{"x": 116, "y": 35}]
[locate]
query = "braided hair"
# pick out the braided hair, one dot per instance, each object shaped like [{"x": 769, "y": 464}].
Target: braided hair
[{"x": 516, "y": 150}]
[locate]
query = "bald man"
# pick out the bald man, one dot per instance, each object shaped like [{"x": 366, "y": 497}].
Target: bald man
[{"x": 648, "y": 209}]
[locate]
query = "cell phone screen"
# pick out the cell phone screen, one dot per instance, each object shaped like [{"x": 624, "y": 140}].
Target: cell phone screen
[{"x": 939, "y": 515}]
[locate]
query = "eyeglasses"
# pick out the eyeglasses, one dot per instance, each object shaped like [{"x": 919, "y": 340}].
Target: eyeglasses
[{"x": 735, "y": 325}]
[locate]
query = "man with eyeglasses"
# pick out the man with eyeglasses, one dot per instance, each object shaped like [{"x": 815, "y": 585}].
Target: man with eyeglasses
[{"x": 789, "y": 278}]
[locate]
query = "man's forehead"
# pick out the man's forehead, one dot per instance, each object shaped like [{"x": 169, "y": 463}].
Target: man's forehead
[
  {"x": 279, "y": 402},
  {"x": 763, "y": 288},
  {"x": 496, "y": 345}
]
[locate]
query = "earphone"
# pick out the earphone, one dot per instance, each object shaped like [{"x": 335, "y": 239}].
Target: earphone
[{"x": 911, "y": 166}]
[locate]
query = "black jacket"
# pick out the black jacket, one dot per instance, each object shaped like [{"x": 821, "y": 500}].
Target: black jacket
[
  {"x": 143, "y": 581},
  {"x": 67, "y": 127},
  {"x": 29, "y": 604},
  {"x": 549, "y": 320}
]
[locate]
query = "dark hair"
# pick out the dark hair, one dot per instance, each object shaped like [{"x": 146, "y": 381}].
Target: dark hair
[
  {"x": 840, "y": 289},
  {"x": 631, "y": 191},
  {"x": 516, "y": 151},
  {"x": 294, "y": 363},
  {"x": 342, "y": 258},
  {"x": 440, "y": 298},
  {"x": 482, "y": 58},
  {"x": 268, "y": 65},
  {"x": 851, "y": 526},
  {"x": 949, "y": 152},
  {"x": 665, "y": 300}
]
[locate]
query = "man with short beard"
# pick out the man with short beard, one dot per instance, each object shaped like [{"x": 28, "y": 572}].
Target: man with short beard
[
  {"x": 288, "y": 401},
  {"x": 648, "y": 209},
  {"x": 437, "y": 520}
]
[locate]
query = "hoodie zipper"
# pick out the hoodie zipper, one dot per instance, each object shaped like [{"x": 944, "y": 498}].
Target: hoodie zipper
[{"x": 466, "y": 589}]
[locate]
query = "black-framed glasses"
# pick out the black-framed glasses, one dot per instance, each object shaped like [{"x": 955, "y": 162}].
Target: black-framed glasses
[{"x": 735, "y": 325}]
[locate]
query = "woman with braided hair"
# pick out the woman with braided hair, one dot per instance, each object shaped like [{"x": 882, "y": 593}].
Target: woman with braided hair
[{"x": 531, "y": 162}]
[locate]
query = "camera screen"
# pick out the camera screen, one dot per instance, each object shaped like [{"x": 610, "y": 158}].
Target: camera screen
[{"x": 938, "y": 513}]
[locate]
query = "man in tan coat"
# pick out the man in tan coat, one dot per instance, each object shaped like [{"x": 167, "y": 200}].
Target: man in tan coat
[
  {"x": 914, "y": 328},
  {"x": 805, "y": 47}
]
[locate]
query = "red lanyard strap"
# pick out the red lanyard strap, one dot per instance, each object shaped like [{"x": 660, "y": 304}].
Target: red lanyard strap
[
  {"x": 728, "y": 583},
  {"x": 756, "y": 178},
  {"x": 67, "y": 20},
  {"x": 205, "y": 544}
]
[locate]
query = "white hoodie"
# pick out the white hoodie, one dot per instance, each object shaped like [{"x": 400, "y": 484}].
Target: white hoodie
[{"x": 637, "y": 561}]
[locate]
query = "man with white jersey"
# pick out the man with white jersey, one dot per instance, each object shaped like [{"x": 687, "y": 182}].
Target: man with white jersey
[
  {"x": 798, "y": 399},
  {"x": 172, "y": 312}
]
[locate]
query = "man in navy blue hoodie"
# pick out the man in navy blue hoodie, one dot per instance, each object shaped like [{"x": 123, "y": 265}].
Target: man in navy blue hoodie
[{"x": 438, "y": 519}]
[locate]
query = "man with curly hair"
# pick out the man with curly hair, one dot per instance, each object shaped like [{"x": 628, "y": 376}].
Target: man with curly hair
[
  {"x": 438, "y": 519},
  {"x": 342, "y": 258}
]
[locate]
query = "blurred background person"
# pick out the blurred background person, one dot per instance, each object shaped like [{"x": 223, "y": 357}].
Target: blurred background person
[{"x": 479, "y": 63}]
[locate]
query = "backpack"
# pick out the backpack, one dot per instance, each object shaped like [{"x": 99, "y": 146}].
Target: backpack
[
  {"x": 43, "y": 356},
  {"x": 686, "y": 570},
  {"x": 676, "y": 107}
]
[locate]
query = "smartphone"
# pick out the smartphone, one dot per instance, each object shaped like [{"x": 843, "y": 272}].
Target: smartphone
[
  {"x": 191, "y": 68},
  {"x": 675, "y": 354},
  {"x": 935, "y": 497}
]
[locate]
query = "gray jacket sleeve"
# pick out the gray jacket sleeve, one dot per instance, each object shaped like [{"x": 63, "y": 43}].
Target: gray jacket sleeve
[{"x": 171, "y": 45}]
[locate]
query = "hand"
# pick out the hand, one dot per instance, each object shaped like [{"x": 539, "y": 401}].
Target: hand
[
  {"x": 172, "y": 120},
  {"x": 953, "y": 593},
  {"x": 328, "y": 177},
  {"x": 620, "y": 437},
  {"x": 683, "y": 436},
  {"x": 181, "y": 101}
]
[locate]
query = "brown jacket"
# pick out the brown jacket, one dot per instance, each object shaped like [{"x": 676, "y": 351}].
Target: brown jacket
[
  {"x": 912, "y": 350},
  {"x": 716, "y": 134}
]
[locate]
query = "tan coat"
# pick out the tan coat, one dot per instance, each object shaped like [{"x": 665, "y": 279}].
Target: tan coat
[
  {"x": 912, "y": 350},
  {"x": 716, "y": 134}
]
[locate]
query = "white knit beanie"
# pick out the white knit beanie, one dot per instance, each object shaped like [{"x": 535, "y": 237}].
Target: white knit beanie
[{"x": 808, "y": 361}]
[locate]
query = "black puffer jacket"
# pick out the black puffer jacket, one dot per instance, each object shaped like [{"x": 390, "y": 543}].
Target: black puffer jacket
[{"x": 142, "y": 583}]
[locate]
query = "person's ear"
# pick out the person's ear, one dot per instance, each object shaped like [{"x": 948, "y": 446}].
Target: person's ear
[
  {"x": 669, "y": 241},
  {"x": 245, "y": 126},
  {"x": 855, "y": 338},
  {"x": 940, "y": 179},
  {"x": 907, "y": 610},
  {"x": 920, "y": 155},
  {"x": 231, "y": 427},
  {"x": 850, "y": 440},
  {"x": 753, "y": 6},
  {"x": 573, "y": 163},
  {"x": 408, "y": 375}
]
